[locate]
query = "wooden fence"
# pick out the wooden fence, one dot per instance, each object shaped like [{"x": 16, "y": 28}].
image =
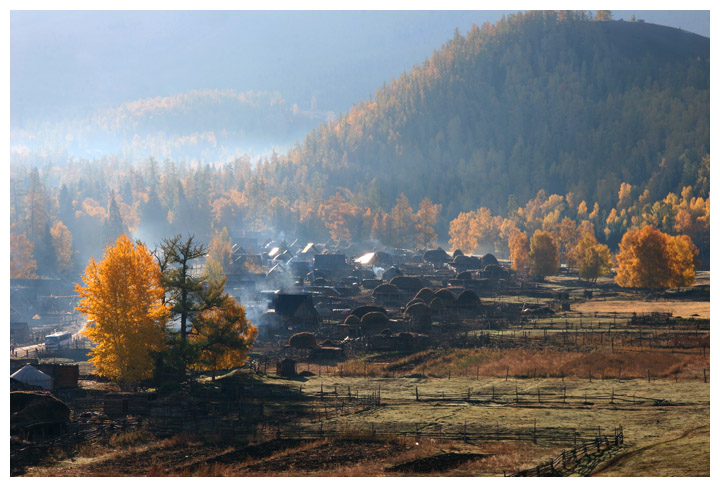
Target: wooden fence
[
  {"x": 568, "y": 460},
  {"x": 67, "y": 441}
]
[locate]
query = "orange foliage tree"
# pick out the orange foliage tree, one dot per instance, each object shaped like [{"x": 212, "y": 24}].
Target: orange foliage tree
[
  {"x": 649, "y": 258},
  {"x": 123, "y": 300},
  {"x": 519, "y": 250}
]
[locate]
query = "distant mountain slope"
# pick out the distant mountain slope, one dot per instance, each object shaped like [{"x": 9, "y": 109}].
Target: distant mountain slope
[
  {"x": 206, "y": 125},
  {"x": 537, "y": 101}
]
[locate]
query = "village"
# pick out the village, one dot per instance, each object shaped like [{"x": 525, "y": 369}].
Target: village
[{"x": 359, "y": 346}]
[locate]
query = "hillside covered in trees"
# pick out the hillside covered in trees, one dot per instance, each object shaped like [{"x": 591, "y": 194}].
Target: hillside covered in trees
[
  {"x": 544, "y": 120},
  {"x": 538, "y": 101}
]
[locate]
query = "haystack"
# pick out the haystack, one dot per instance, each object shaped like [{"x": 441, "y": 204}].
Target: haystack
[
  {"x": 426, "y": 294},
  {"x": 304, "y": 339}
]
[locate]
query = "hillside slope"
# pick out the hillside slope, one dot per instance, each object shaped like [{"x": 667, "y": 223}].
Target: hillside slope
[{"x": 537, "y": 101}]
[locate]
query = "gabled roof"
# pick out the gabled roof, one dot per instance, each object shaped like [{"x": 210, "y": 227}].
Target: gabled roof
[{"x": 310, "y": 249}]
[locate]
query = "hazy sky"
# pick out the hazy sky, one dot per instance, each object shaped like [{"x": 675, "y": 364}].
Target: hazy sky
[{"x": 63, "y": 63}]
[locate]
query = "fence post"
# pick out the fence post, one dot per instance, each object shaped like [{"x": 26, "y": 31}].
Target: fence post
[{"x": 417, "y": 395}]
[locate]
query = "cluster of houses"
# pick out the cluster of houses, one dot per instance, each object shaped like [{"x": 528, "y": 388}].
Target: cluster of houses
[{"x": 348, "y": 296}]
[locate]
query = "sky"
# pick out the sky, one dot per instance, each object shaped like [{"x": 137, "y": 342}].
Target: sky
[{"x": 68, "y": 63}]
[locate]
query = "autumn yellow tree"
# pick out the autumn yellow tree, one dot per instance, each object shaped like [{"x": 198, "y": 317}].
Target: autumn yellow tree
[
  {"x": 123, "y": 299},
  {"x": 220, "y": 250},
  {"x": 63, "y": 244},
  {"x": 642, "y": 259},
  {"x": 426, "y": 218},
  {"x": 566, "y": 236},
  {"x": 649, "y": 258},
  {"x": 544, "y": 260},
  {"x": 682, "y": 261},
  {"x": 223, "y": 336},
  {"x": 461, "y": 233},
  {"x": 402, "y": 222},
  {"x": 22, "y": 262},
  {"x": 337, "y": 214},
  {"x": 592, "y": 259},
  {"x": 519, "y": 250}
]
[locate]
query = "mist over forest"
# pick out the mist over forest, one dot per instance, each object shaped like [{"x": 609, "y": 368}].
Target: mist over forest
[{"x": 523, "y": 123}]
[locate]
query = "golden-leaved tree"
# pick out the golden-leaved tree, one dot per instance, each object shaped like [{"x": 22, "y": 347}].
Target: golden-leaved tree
[
  {"x": 519, "y": 249},
  {"x": 220, "y": 250},
  {"x": 591, "y": 258},
  {"x": 223, "y": 336},
  {"x": 22, "y": 263},
  {"x": 426, "y": 218},
  {"x": 649, "y": 258},
  {"x": 544, "y": 259},
  {"x": 123, "y": 300},
  {"x": 461, "y": 233},
  {"x": 63, "y": 245}
]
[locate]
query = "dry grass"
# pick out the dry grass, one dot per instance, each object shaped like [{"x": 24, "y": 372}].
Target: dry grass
[
  {"x": 685, "y": 309},
  {"x": 132, "y": 437},
  {"x": 625, "y": 364},
  {"x": 686, "y": 456}
]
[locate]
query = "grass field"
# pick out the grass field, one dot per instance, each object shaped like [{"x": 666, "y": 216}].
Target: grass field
[{"x": 686, "y": 309}]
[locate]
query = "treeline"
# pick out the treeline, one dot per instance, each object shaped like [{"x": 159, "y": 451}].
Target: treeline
[{"x": 61, "y": 218}]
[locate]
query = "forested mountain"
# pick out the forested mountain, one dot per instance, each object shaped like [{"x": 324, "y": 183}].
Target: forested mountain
[
  {"x": 544, "y": 120},
  {"x": 537, "y": 101}
]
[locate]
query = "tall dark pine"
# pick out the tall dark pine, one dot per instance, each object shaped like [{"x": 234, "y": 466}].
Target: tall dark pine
[
  {"x": 113, "y": 226},
  {"x": 45, "y": 254},
  {"x": 187, "y": 289}
]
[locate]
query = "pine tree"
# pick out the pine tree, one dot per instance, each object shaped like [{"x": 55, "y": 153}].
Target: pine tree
[{"x": 113, "y": 226}]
